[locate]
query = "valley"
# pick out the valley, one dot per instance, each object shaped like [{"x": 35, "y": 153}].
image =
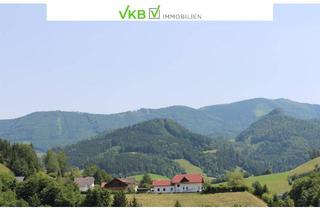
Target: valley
[{"x": 274, "y": 143}]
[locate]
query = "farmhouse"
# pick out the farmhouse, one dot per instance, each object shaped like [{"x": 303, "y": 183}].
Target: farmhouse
[
  {"x": 117, "y": 184},
  {"x": 181, "y": 183},
  {"x": 84, "y": 183}
]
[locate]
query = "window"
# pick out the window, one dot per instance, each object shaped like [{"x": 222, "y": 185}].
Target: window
[
  {"x": 158, "y": 189},
  {"x": 186, "y": 187},
  {"x": 171, "y": 188},
  {"x": 178, "y": 185},
  {"x": 164, "y": 189},
  {"x": 183, "y": 188}
]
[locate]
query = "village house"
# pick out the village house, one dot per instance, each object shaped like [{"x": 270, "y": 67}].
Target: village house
[
  {"x": 117, "y": 184},
  {"x": 84, "y": 183},
  {"x": 181, "y": 183}
]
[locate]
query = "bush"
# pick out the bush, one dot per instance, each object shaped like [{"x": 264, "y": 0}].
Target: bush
[
  {"x": 235, "y": 178},
  {"x": 7, "y": 182},
  {"x": 98, "y": 197},
  {"x": 9, "y": 199},
  {"x": 177, "y": 204},
  {"x": 268, "y": 198},
  {"x": 306, "y": 191},
  {"x": 40, "y": 189},
  {"x": 134, "y": 203},
  {"x": 258, "y": 189},
  {"x": 224, "y": 188},
  {"x": 120, "y": 199},
  {"x": 282, "y": 201}
]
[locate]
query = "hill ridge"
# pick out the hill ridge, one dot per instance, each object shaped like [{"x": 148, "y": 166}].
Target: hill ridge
[{"x": 58, "y": 128}]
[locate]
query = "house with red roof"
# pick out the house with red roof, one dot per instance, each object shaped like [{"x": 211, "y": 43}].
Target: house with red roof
[{"x": 181, "y": 183}]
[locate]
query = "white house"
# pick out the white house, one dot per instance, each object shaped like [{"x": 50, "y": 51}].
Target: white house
[
  {"x": 84, "y": 183},
  {"x": 181, "y": 183},
  {"x": 162, "y": 186}
]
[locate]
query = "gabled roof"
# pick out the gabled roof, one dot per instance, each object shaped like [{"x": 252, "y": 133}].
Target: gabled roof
[
  {"x": 187, "y": 178},
  {"x": 126, "y": 180},
  {"x": 180, "y": 178},
  {"x": 84, "y": 181},
  {"x": 161, "y": 182},
  {"x": 123, "y": 181}
]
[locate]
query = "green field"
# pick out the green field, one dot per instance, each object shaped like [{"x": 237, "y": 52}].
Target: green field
[
  {"x": 189, "y": 167},
  {"x": 153, "y": 176},
  {"x": 192, "y": 169},
  {"x": 199, "y": 200},
  {"x": 278, "y": 183},
  {"x": 4, "y": 169},
  {"x": 307, "y": 167}
]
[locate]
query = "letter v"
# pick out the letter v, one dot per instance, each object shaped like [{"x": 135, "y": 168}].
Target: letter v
[{"x": 123, "y": 15}]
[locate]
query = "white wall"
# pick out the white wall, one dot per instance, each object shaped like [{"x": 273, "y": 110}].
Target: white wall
[
  {"x": 175, "y": 189},
  {"x": 86, "y": 188},
  {"x": 184, "y": 187},
  {"x": 164, "y": 189}
]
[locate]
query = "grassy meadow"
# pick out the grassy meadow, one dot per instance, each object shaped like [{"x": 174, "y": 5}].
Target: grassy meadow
[
  {"x": 153, "y": 176},
  {"x": 278, "y": 182},
  {"x": 192, "y": 169},
  {"x": 189, "y": 167},
  {"x": 4, "y": 169},
  {"x": 199, "y": 200}
]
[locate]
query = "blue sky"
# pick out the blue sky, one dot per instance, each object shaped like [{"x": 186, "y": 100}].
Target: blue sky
[{"x": 107, "y": 67}]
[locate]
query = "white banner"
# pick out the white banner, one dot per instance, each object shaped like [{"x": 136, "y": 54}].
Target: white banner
[{"x": 159, "y": 10}]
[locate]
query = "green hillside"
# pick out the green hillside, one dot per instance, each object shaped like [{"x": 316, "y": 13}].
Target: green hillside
[
  {"x": 152, "y": 147},
  {"x": 306, "y": 167},
  {"x": 192, "y": 169},
  {"x": 279, "y": 142},
  {"x": 145, "y": 147},
  {"x": 276, "y": 142},
  {"x": 153, "y": 176},
  {"x": 235, "y": 117},
  {"x": 4, "y": 169},
  {"x": 57, "y": 128},
  {"x": 278, "y": 183},
  {"x": 189, "y": 167}
]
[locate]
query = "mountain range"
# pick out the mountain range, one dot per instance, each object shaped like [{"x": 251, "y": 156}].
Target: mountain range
[
  {"x": 277, "y": 142},
  {"x": 57, "y": 128}
]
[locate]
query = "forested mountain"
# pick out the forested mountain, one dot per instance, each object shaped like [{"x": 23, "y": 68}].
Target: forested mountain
[
  {"x": 47, "y": 129},
  {"x": 238, "y": 116},
  {"x": 150, "y": 147},
  {"x": 279, "y": 142}
]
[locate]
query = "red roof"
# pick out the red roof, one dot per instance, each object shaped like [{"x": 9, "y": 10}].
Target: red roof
[
  {"x": 161, "y": 182},
  {"x": 189, "y": 178}
]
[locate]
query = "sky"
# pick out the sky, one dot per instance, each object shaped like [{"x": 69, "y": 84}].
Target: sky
[{"x": 110, "y": 67}]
